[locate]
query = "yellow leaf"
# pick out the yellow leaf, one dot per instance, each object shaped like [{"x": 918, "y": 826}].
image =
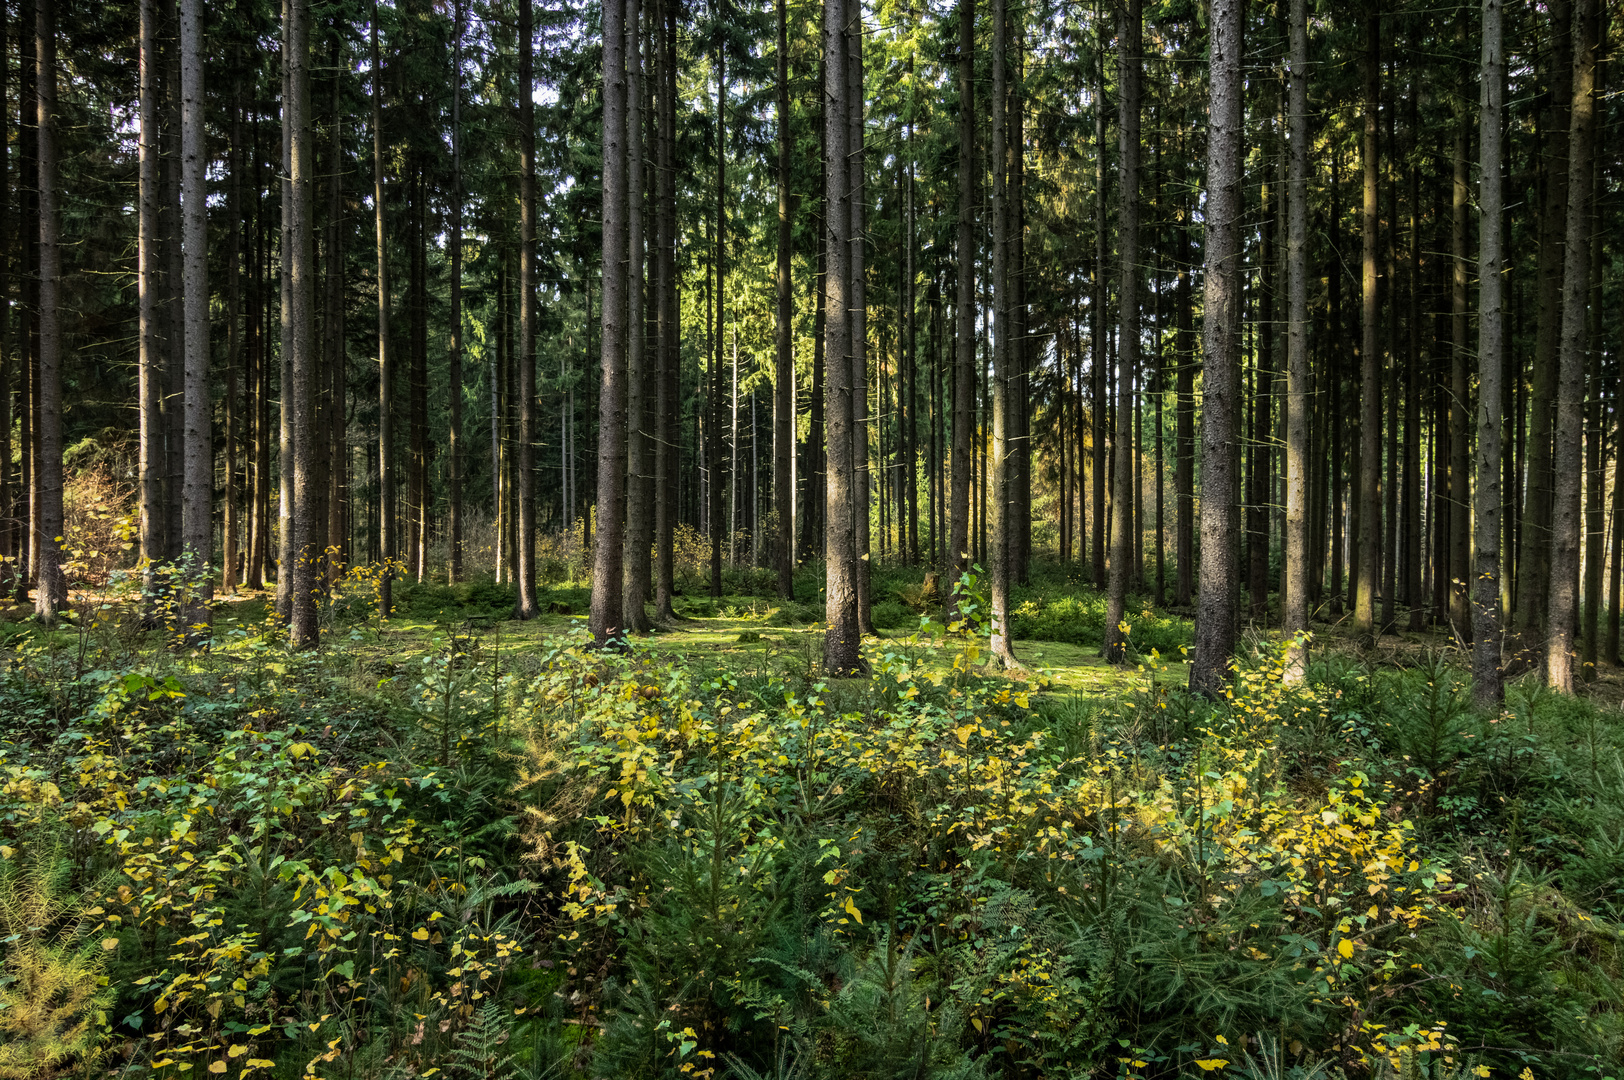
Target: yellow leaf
[
  {"x": 420, "y": 934},
  {"x": 217, "y": 1067},
  {"x": 851, "y": 909},
  {"x": 237, "y": 1050},
  {"x": 1345, "y": 947},
  {"x": 1209, "y": 1064},
  {"x": 110, "y": 943}
]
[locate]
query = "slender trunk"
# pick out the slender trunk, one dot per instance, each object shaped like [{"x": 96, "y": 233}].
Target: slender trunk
[
  {"x": 299, "y": 270},
  {"x": 1368, "y": 542},
  {"x": 857, "y": 292},
  {"x": 231, "y": 536},
  {"x": 784, "y": 365},
  {"x": 454, "y": 454},
  {"x": 386, "y": 372},
  {"x": 1129, "y": 48},
  {"x": 525, "y": 359},
  {"x": 148, "y": 338},
  {"x": 1568, "y": 458},
  {"x": 1460, "y": 444},
  {"x": 197, "y": 504},
  {"x": 668, "y": 444},
  {"x": 1215, "y": 625},
  {"x": 958, "y": 551},
  {"x": 1097, "y": 331},
  {"x": 1294, "y": 604},
  {"x": 607, "y": 617},
  {"x": 639, "y": 489},
  {"x": 1486, "y": 684},
  {"x": 51, "y": 591},
  {"x": 1184, "y": 471}
]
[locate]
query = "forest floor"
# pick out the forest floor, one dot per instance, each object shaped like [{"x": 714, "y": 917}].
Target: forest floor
[{"x": 453, "y": 841}]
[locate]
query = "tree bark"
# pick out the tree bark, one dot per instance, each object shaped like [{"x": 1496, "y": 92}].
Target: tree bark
[
  {"x": 1294, "y": 604},
  {"x": 1002, "y": 466},
  {"x": 148, "y": 337},
  {"x": 842, "y": 637},
  {"x": 386, "y": 368},
  {"x": 300, "y": 270},
  {"x": 607, "y": 617},
  {"x": 857, "y": 292},
  {"x": 197, "y": 505},
  {"x": 1367, "y": 552},
  {"x": 1485, "y": 591},
  {"x": 454, "y": 455},
  {"x": 1215, "y": 620},
  {"x": 964, "y": 313},
  {"x": 51, "y": 587},
  {"x": 668, "y": 445},
  {"x": 1568, "y": 456},
  {"x": 525, "y": 465},
  {"x": 1460, "y": 449},
  {"x": 1129, "y": 48},
  {"x": 784, "y": 360},
  {"x": 639, "y": 489}
]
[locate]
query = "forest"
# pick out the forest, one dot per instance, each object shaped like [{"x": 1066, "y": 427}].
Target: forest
[{"x": 740, "y": 539}]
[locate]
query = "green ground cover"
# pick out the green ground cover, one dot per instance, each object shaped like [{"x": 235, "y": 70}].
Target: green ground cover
[{"x": 451, "y": 844}]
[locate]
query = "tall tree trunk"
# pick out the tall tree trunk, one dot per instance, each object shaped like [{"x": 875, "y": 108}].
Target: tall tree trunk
[
  {"x": 1460, "y": 443},
  {"x": 713, "y": 509},
  {"x": 300, "y": 271},
  {"x": 525, "y": 465},
  {"x": 857, "y": 292},
  {"x": 197, "y": 504},
  {"x": 234, "y": 413},
  {"x": 1215, "y": 620},
  {"x": 148, "y": 335},
  {"x": 1299, "y": 387},
  {"x": 1184, "y": 471},
  {"x": 1568, "y": 457},
  {"x": 607, "y": 617},
  {"x": 842, "y": 639},
  {"x": 1259, "y": 459},
  {"x": 1130, "y": 31},
  {"x": 1367, "y": 552},
  {"x": 964, "y": 312},
  {"x": 51, "y": 591},
  {"x": 668, "y": 445},
  {"x": 454, "y": 455},
  {"x": 784, "y": 360},
  {"x": 638, "y": 497},
  {"x": 387, "y": 542},
  {"x": 1486, "y": 684},
  {"x": 1003, "y": 504},
  {"x": 1533, "y": 565},
  {"x": 1097, "y": 331}
]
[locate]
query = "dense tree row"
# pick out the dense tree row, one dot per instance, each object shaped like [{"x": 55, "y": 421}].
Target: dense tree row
[{"x": 941, "y": 285}]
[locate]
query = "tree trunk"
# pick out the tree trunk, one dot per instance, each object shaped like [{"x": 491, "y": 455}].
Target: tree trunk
[
  {"x": 784, "y": 361},
  {"x": 386, "y": 371},
  {"x": 607, "y": 617},
  {"x": 1294, "y": 604},
  {"x": 197, "y": 504},
  {"x": 1367, "y": 552},
  {"x": 668, "y": 445},
  {"x": 300, "y": 271},
  {"x": 1184, "y": 471},
  {"x": 639, "y": 489},
  {"x": 51, "y": 590},
  {"x": 857, "y": 292},
  {"x": 148, "y": 335},
  {"x": 1568, "y": 458},
  {"x": 1215, "y": 622},
  {"x": 964, "y": 314},
  {"x": 842, "y": 639},
  {"x": 1460, "y": 443},
  {"x": 525, "y": 360},
  {"x": 1129, "y": 49},
  {"x": 1097, "y": 331},
  {"x": 1485, "y": 591},
  {"x": 454, "y": 456}
]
